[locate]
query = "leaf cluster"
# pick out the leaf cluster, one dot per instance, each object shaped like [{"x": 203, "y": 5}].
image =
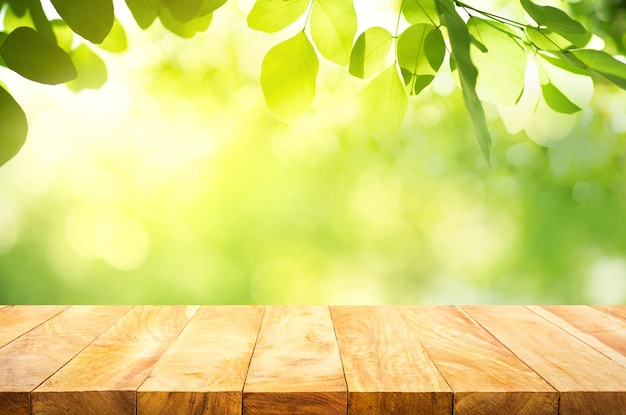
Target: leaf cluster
[{"x": 487, "y": 53}]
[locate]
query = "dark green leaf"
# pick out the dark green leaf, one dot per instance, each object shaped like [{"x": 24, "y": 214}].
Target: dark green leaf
[
  {"x": 185, "y": 30},
  {"x": 92, "y": 19},
  {"x": 605, "y": 64},
  {"x": 92, "y": 71},
  {"x": 34, "y": 57},
  {"x": 273, "y": 15},
  {"x": 557, "y": 100},
  {"x": 288, "y": 76},
  {"x": 369, "y": 52},
  {"x": 333, "y": 26},
  {"x": 13, "y": 127},
  {"x": 553, "y": 18},
  {"x": 184, "y": 10},
  {"x": 460, "y": 49},
  {"x": 144, "y": 16},
  {"x": 18, "y": 7}
]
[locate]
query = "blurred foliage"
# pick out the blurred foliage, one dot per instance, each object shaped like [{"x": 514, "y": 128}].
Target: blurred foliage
[{"x": 175, "y": 184}]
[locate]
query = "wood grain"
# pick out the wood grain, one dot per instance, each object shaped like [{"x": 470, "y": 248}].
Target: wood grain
[
  {"x": 35, "y": 356},
  {"x": 204, "y": 371},
  {"x": 567, "y": 363},
  {"x": 485, "y": 376},
  {"x": 295, "y": 367},
  {"x": 616, "y": 310},
  {"x": 104, "y": 377},
  {"x": 17, "y": 320},
  {"x": 386, "y": 369},
  {"x": 603, "y": 332}
]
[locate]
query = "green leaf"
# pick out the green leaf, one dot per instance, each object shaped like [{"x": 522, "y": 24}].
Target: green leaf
[
  {"x": 420, "y": 11},
  {"x": 144, "y": 16},
  {"x": 184, "y": 30},
  {"x": 288, "y": 75},
  {"x": 565, "y": 63},
  {"x": 369, "y": 52},
  {"x": 209, "y": 6},
  {"x": 605, "y": 64},
  {"x": 384, "y": 103},
  {"x": 18, "y": 7},
  {"x": 273, "y": 15},
  {"x": 36, "y": 58},
  {"x": 92, "y": 19},
  {"x": 92, "y": 71},
  {"x": 63, "y": 34},
  {"x": 116, "y": 41},
  {"x": 13, "y": 127},
  {"x": 420, "y": 51},
  {"x": 553, "y": 18},
  {"x": 184, "y": 10},
  {"x": 557, "y": 100},
  {"x": 41, "y": 21},
  {"x": 12, "y": 21},
  {"x": 460, "y": 49},
  {"x": 333, "y": 26},
  {"x": 501, "y": 68}
]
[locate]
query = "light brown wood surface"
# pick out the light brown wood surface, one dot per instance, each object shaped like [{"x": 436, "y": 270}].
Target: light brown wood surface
[
  {"x": 295, "y": 368},
  {"x": 386, "y": 369},
  {"x": 104, "y": 377},
  {"x": 604, "y": 332},
  {"x": 204, "y": 371},
  {"x": 170, "y": 360},
  {"x": 17, "y": 320},
  {"x": 616, "y": 310},
  {"x": 485, "y": 376},
  {"x": 588, "y": 381},
  {"x": 32, "y": 358}
]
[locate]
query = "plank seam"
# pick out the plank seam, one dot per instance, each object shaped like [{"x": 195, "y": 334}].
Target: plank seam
[
  {"x": 512, "y": 352},
  {"x": 159, "y": 358},
  {"x": 578, "y": 338},
  {"x": 30, "y": 394},
  {"x": 33, "y": 328},
  {"x": 250, "y": 360},
  {"x": 343, "y": 369},
  {"x": 607, "y": 312},
  {"x": 408, "y": 327}
]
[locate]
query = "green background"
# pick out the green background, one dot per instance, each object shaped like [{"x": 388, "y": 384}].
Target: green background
[{"x": 174, "y": 184}]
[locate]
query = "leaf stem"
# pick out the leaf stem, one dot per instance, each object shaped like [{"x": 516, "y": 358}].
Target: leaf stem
[
  {"x": 308, "y": 15},
  {"x": 490, "y": 15}
]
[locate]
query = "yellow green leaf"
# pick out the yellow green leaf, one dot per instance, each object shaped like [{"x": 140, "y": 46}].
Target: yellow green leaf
[
  {"x": 333, "y": 26},
  {"x": 384, "y": 103},
  {"x": 288, "y": 77},
  {"x": 273, "y": 15}
]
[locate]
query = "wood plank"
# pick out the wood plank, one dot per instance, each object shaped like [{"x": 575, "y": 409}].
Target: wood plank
[
  {"x": 295, "y": 367},
  {"x": 588, "y": 381},
  {"x": 104, "y": 377},
  {"x": 29, "y": 360},
  {"x": 386, "y": 369},
  {"x": 603, "y": 332},
  {"x": 616, "y": 310},
  {"x": 485, "y": 376},
  {"x": 17, "y": 320},
  {"x": 204, "y": 371}
]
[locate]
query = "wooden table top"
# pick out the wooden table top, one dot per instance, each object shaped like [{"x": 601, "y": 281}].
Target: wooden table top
[{"x": 310, "y": 360}]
